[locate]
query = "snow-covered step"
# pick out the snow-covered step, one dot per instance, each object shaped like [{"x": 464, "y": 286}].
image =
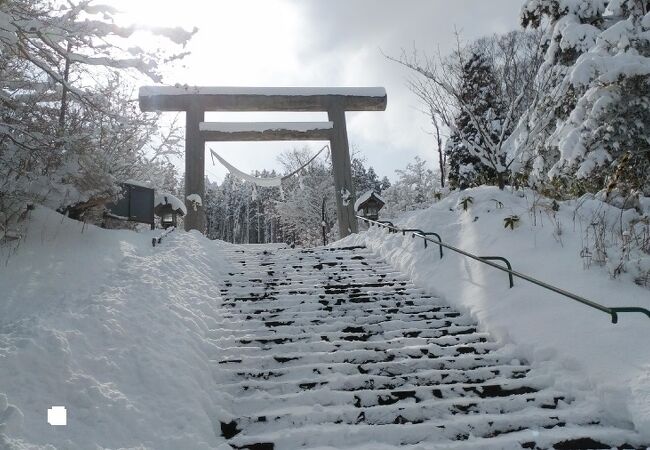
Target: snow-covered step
[
  {"x": 357, "y": 338},
  {"x": 317, "y": 325},
  {"x": 402, "y": 372},
  {"x": 245, "y": 399},
  {"x": 228, "y": 347},
  {"x": 307, "y": 377},
  {"x": 290, "y": 415},
  {"x": 361, "y": 356},
  {"x": 455, "y": 428},
  {"x": 360, "y": 395},
  {"x": 316, "y": 312},
  {"x": 332, "y": 347}
]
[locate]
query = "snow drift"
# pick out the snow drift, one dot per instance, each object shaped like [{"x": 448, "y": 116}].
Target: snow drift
[
  {"x": 114, "y": 330},
  {"x": 612, "y": 360}
]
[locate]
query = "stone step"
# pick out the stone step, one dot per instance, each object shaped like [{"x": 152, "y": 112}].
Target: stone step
[
  {"x": 333, "y": 348},
  {"x": 368, "y": 328},
  {"x": 344, "y": 390},
  {"x": 354, "y": 379},
  {"x": 428, "y": 431},
  {"x": 329, "y": 345},
  {"x": 289, "y": 416},
  {"x": 315, "y": 311},
  {"x": 358, "y": 355}
]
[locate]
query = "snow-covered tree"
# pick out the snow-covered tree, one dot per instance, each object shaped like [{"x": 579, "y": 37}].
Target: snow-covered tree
[
  {"x": 364, "y": 179},
  {"x": 443, "y": 84},
  {"x": 590, "y": 128},
  {"x": 68, "y": 126},
  {"x": 415, "y": 188},
  {"x": 465, "y": 145},
  {"x": 310, "y": 200}
]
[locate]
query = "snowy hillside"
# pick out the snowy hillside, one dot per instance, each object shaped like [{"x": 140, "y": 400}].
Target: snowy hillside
[
  {"x": 113, "y": 329},
  {"x": 199, "y": 344},
  {"x": 612, "y": 360}
]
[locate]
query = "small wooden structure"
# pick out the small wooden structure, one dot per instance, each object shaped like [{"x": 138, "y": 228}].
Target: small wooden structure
[
  {"x": 195, "y": 101},
  {"x": 370, "y": 203}
]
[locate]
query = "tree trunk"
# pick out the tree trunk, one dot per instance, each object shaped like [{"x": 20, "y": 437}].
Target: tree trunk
[
  {"x": 441, "y": 154},
  {"x": 64, "y": 92}
]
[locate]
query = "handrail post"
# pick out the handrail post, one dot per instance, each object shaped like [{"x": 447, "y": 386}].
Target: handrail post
[
  {"x": 439, "y": 240},
  {"x": 501, "y": 258},
  {"x": 391, "y": 227}
]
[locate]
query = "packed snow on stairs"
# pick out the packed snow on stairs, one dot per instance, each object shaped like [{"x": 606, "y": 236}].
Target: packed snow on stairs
[
  {"x": 196, "y": 344},
  {"x": 331, "y": 348}
]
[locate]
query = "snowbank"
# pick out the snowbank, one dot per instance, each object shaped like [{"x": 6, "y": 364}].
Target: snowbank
[
  {"x": 116, "y": 331},
  {"x": 613, "y": 360}
]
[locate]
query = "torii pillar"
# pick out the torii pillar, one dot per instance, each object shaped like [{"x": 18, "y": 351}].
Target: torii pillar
[{"x": 195, "y": 101}]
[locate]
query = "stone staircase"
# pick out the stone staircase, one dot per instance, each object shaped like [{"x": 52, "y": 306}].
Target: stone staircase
[{"x": 331, "y": 348}]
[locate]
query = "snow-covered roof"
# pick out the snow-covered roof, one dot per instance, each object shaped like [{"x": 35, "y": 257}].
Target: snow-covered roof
[
  {"x": 148, "y": 91},
  {"x": 196, "y": 198},
  {"x": 165, "y": 198},
  {"x": 235, "y": 127},
  {"x": 144, "y": 184},
  {"x": 366, "y": 196}
]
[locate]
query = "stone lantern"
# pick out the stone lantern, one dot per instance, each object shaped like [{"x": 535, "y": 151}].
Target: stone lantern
[
  {"x": 168, "y": 208},
  {"x": 369, "y": 204}
]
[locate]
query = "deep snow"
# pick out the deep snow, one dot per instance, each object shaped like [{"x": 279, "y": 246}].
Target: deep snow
[
  {"x": 113, "y": 329},
  {"x": 122, "y": 334},
  {"x": 612, "y": 360}
]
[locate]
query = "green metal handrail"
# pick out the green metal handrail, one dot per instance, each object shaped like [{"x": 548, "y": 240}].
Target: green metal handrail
[
  {"x": 420, "y": 232},
  {"x": 612, "y": 311}
]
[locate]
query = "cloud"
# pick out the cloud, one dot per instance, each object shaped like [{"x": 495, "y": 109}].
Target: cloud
[
  {"x": 330, "y": 43},
  {"x": 342, "y": 42}
]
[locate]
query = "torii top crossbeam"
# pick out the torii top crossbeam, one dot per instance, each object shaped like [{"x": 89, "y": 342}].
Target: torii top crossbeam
[
  {"x": 195, "y": 101},
  {"x": 301, "y": 99}
]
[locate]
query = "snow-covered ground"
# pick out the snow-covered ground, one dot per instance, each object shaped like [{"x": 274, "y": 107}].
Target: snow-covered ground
[
  {"x": 100, "y": 322},
  {"x": 121, "y": 333},
  {"x": 613, "y": 360}
]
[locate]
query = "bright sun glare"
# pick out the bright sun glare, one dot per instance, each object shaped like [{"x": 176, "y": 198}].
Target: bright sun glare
[{"x": 149, "y": 12}]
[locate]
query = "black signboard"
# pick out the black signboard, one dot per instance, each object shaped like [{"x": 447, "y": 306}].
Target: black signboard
[{"x": 136, "y": 204}]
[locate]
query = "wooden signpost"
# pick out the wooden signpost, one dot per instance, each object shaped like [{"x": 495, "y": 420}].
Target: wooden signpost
[{"x": 195, "y": 101}]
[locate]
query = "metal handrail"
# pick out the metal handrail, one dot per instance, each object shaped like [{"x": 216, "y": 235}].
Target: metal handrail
[
  {"x": 612, "y": 311},
  {"x": 387, "y": 224},
  {"x": 420, "y": 232},
  {"x": 501, "y": 258}
]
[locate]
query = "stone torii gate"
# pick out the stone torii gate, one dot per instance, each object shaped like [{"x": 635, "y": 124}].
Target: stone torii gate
[{"x": 195, "y": 101}]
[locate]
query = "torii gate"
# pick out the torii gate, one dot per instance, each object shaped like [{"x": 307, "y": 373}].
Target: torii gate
[{"x": 195, "y": 101}]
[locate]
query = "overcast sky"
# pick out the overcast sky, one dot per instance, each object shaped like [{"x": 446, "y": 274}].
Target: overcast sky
[{"x": 321, "y": 43}]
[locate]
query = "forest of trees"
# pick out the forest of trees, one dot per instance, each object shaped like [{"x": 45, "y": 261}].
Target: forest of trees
[
  {"x": 561, "y": 105},
  {"x": 303, "y": 212}
]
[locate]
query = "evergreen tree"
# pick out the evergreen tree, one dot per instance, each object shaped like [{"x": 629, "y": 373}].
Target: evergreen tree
[
  {"x": 384, "y": 184},
  {"x": 467, "y": 148},
  {"x": 364, "y": 179}
]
